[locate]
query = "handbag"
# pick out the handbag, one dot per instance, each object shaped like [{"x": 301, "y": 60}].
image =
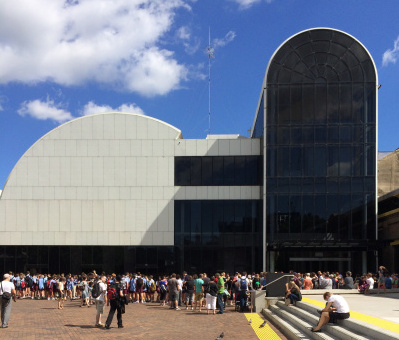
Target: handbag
[{"x": 6, "y": 295}]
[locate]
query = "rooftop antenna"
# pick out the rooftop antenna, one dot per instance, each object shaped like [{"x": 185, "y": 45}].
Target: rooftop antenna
[{"x": 210, "y": 55}]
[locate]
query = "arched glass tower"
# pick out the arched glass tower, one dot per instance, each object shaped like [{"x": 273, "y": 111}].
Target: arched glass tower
[{"x": 317, "y": 116}]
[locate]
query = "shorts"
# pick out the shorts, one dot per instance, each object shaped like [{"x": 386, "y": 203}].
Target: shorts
[
  {"x": 199, "y": 296},
  {"x": 99, "y": 306},
  {"x": 125, "y": 291},
  {"x": 139, "y": 289},
  {"x": 337, "y": 316},
  {"x": 189, "y": 297},
  {"x": 173, "y": 296}
]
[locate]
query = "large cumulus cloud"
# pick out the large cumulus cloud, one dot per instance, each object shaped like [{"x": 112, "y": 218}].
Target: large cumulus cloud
[{"x": 116, "y": 43}]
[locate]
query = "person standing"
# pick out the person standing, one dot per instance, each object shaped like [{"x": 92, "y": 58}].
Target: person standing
[
  {"x": 348, "y": 281},
  {"x": 242, "y": 285},
  {"x": 211, "y": 292},
  {"x": 7, "y": 292},
  {"x": 307, "y": 283},
  {"x": 60, "y": 290},
  {"x": 199, "y": 291},
  {"x": 101, "y": 300},
  {"x": 173, "y": 288},
  {"x": 84, "y": 288},
  {"x": 220, "y": 285},
  {"x": 115, "y": 299}
]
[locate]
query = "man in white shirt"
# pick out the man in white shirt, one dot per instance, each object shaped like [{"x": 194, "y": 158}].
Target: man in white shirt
[
  {"x": 6, "y": 287},
  {"x": 101, "y": 300},
  {"x": 370, "y": 283},
  {"x": 340, "y": 310}
]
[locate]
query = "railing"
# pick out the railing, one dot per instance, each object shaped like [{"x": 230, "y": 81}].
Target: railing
[{"x": 290, "y": 275}]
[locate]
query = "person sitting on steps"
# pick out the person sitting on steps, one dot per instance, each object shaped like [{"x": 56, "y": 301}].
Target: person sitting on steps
[{"x": 340, "y": 310}]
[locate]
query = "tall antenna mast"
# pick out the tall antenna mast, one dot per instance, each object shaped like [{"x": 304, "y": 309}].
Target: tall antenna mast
[{"x": 210, "y": 55}]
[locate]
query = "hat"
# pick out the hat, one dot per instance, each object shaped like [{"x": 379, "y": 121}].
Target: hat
[{"x": 6, "y": 276}]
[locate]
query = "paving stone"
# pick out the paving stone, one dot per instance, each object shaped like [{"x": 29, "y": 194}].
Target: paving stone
[{"x": 41, "y": 319}]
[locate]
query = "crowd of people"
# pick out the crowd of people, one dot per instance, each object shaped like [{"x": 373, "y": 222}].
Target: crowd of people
[
  {"x": 382, "y": 280},
  {"x": 195, "y": 292},
  {"x": 192, "y": 292}
]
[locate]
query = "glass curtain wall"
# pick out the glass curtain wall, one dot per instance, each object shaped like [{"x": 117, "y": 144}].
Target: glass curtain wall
[
  {"x": 218, "y": 235},
  {"x": 321, "y": 141}
]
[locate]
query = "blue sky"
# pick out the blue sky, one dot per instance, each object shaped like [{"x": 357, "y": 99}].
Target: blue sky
[{"x": 63, "y": 59}]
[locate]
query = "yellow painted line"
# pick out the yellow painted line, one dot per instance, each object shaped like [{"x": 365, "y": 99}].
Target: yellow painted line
[
  {"x": 389, "y": 325},
  {"x": 262, "y": 333}
]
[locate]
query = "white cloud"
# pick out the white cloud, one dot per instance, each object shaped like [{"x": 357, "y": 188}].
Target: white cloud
[
  {"x": 92, "y": 108},
  {"x": 44, "y": 110},
  {"x": 191, "y": 44},
  {"x": 183, "y": 33},
  {"x": 74, "y": 42},
  {"x": 391, "y": 56},
  {"x": 245, "y": 4},
  {"x": 228, "y": 38}
]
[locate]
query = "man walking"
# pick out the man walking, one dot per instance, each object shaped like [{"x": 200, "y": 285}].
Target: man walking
[
  {"x": 220, "y": 285},
  {"x": 7, "y": 291}
]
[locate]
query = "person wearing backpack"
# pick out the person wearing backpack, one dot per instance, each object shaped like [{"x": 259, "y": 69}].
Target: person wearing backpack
[
  {"x": 99, "y": 293},
  {"x": 116, "y": 302},
  {"x": 84, "y": 288},
  {"x": 163, "y": 290},
  {"x": 242, "y": 285},
  {"x": 139, "y": 282},
  {"x": 7, "y": 292}
]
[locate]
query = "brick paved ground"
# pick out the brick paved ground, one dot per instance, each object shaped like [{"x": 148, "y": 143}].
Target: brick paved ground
[{"x": 32, "y": 319}]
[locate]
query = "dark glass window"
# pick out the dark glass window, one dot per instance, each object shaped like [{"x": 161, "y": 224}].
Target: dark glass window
[
  {"x": 217, "y": 227},
  {"x": 218, "y": 170},
  {"x": 320, "y": 140}
]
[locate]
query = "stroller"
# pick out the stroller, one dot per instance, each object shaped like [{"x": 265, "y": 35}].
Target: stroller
[{"x": 248, "y": 305}]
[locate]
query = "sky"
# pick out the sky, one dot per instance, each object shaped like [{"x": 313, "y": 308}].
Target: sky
[{"x": 61, "y": 59}]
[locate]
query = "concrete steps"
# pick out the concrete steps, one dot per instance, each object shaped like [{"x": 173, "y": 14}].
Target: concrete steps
[{"x": 296, "y": 322}]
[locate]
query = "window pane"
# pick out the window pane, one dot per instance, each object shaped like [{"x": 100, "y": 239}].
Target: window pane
[
  {"x": 228, "y": 171},
  {"x": 320, "y": 103},
  {"x": 182, "y": 171},
  {"x": 217, "y": 170},
  {"x": 207, "y": 178},
  {"x": 195, "y": 175}
]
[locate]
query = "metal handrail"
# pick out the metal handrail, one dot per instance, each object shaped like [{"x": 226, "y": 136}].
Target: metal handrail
[{"x": 278, "y": 279}]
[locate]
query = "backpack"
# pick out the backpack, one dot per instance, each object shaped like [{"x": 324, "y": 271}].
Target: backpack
[
  {"x": 82, "y": 285},
  {"x": 153, "y": 287},
  {"x": 55, "y": 286},
  {"x": 113, "y": 292},
  {"x": 162, "y": 288},
  {"x": 139, "y": 282},
  {"x": 243, "y": 283},
  {"x": 48, "y": 283},
  {"x": 96, "y": 292}
]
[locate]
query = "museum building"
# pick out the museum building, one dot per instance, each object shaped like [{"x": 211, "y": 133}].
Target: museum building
[{"x": 125, "y": 192}]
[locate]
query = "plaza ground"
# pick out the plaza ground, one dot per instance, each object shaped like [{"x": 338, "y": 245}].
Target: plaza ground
[{"x": 33, "y": 319}]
